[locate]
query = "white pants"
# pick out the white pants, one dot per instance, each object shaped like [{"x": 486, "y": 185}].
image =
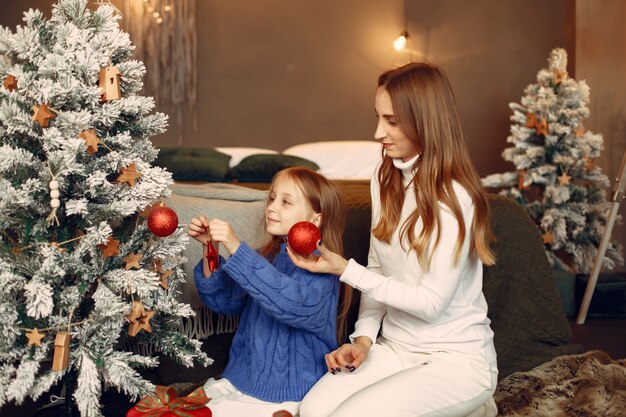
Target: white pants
[
  {"x": 228, "y": 401},
  {"x": 398, "y": 383}
]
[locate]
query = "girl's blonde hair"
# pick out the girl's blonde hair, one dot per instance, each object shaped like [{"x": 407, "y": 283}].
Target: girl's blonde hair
[
  {"x": 424, "y": 106},
  {"x": 323, "y": 197}
]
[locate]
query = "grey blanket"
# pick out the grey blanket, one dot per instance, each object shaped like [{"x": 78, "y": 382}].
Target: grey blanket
[{"x": 243, "y": 209}]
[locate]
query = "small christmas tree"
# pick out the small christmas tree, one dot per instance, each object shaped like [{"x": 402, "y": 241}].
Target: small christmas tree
[
  {"x": 83, "y": 273},
  {"x": 556, "y": 179}
]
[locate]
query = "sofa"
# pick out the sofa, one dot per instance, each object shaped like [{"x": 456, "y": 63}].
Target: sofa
[{"x": 525, "y": 308}]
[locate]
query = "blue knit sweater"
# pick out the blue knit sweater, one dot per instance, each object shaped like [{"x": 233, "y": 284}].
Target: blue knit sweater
[{"x": 287, "y": 322}]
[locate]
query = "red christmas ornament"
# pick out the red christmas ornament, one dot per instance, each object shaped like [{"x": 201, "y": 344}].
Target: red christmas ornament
[
  {"x": 162, "y": 221},
  {"x": 303, "y": 237},
  {"x": 213, "y": 257}
]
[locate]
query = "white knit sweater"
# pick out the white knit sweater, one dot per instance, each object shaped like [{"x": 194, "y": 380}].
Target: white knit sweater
[{"x": 443, "y": 309}]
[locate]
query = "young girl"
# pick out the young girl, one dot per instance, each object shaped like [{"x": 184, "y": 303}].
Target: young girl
[
  {"x": 287, "y": 314},
  {"x": 422, "y": 345}
]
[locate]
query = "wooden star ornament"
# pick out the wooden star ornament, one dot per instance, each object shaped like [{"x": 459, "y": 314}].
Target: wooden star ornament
[
  {"x": 564, "y": 179},
  {"x": 590, "y": 164},
  {"x": 542, "y": 127},
  {"x": 531, "y": 120},
  {"x": 164, "y": 276},
  {"x": 42, "y": 114},
  {"x": 158, "y": 269},
  {"x": 136, "y": 311},
  {"x": 34, "y": 337},
  {"x": 548, "y": 238},
  {"x": 132, "y": 261},
  {"x": 129, "y": 175},
  {"x": 144, "y": 320},
  {"x": 579, "y": 131},
  {"x": 139, "y": 319},
  {"x": 111, "y": 248},
  {"x": 10, "y": 82},
  {"x": 91, "y": 140}
]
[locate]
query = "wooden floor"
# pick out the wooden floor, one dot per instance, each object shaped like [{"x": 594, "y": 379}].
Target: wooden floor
[{"x": 607, "y": 334}]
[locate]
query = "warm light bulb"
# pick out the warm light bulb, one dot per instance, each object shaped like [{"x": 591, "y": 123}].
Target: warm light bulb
[
  {"x": 159, "y": 20},
  {"x": 156, "y": 15},
  {"x": 167, "y": 8},
  {"x": 400, "y": 42}
]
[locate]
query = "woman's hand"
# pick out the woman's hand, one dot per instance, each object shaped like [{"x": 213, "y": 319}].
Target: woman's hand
[
  {"x": 349, "y": 356},
  {"x": 199, "y": 230},
  {"x": 327, "y": 262},
  {"x": 221, "y": 231}
]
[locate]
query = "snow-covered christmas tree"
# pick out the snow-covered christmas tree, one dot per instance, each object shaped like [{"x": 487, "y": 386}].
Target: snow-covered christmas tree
[
  {"x": 556, "y": 179},
  {"x": 89, "y": 263}
]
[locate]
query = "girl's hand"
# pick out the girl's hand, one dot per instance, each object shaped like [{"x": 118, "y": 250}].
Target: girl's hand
[
  {"x": 348, "y": 357},
  {"x": 222, "y": 232},
  {"x": 327, "y": 262},
  {"x": 199, "y": 230}
]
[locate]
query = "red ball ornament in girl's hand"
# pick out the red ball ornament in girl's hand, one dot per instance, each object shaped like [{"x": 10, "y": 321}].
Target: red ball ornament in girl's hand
[
  {"x": 162, "y": 221},
  {"x": 303, "y": 237}
]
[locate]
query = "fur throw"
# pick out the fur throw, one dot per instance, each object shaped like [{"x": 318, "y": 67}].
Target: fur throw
[{"x": 587, "y": 385}]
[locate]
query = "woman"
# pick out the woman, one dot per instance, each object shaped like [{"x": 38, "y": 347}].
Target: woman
[{"x": 422, "y": 344}]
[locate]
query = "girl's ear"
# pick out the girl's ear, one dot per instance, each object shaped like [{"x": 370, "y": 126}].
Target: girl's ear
[{"x": 317, "y": 219}]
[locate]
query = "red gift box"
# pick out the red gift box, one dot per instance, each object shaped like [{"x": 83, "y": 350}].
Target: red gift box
[{"x": 166, "y": 404}]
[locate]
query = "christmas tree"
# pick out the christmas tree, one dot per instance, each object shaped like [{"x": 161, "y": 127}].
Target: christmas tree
[
  {"x": 89, "y": 262},
  {"x": 556, "y": 179}
]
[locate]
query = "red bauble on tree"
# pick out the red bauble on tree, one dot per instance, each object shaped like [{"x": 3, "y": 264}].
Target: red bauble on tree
[
  {"x": 303, "y": 237},
  {"x": 162, "y": 221}
]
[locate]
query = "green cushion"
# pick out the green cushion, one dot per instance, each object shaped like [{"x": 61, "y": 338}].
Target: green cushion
[
  {"x": 194, "y": 164},
  {"x": 263, "y": 167},
  {"x": 525, "y": 308}
]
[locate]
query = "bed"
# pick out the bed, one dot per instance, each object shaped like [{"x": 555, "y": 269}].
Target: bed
[{"x": 337, "y": 160}]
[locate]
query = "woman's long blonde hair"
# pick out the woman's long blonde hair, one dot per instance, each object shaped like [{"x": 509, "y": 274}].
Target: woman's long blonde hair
[
  {"x": 424, "y": 106},
  {"x": 324, "y": 198}
]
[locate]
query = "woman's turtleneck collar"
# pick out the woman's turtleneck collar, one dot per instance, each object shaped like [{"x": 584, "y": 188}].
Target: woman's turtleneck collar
[{"x": 407, "y": 168}]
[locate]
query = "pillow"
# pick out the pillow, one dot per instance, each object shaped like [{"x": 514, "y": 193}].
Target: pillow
[
  {"x": 194, "y": 164},
  {"x": 262, "y": 168},
  {"x": 347, "y": 159},
  {"x": 237, "y": 153},
  {"x": 525, "y": 309}
]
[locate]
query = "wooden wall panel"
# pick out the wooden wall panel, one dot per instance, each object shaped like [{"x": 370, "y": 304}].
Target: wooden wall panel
[{"x": 601, "y": 61}]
